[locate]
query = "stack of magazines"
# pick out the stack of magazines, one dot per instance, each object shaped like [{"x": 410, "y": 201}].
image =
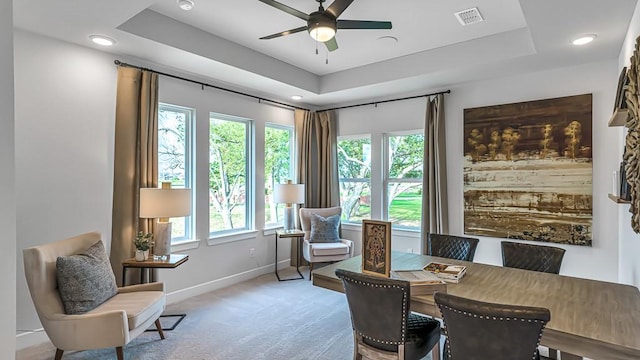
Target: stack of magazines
[
  {"x": 422, "y": 282},
  {"x": 447, "y": 272}
]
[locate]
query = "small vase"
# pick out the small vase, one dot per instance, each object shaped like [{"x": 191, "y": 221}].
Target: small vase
[{"x": 142, "y": 255}]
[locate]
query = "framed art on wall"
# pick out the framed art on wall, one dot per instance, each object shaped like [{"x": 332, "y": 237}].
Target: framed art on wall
[
  {"x": 528, "y": 170},
  {"x": 376, "y": 247}
]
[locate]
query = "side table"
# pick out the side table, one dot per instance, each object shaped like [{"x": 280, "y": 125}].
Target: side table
[
  {"x": 171, "y": 262},
  {"x": 287, "y": 234}
]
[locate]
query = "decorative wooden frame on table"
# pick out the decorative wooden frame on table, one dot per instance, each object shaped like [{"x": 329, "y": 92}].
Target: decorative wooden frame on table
[
  {"x": 376, "y": 247},
  {"x": 632, "y": 146}
]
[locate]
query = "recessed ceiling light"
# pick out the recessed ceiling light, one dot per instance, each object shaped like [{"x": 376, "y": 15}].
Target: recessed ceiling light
[
  {"x": 584, "y": 39},
  {"x": 296, "y": 97},
  {"x": 102, "y": 40},
  {"x": 186, "y": 4},
  {"x": 391, "y": 39}
]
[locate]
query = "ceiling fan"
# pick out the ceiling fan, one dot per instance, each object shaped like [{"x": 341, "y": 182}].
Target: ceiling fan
[{"x": 323, "y": 24}]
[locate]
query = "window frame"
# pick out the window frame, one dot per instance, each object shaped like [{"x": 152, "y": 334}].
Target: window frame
[
  {"x": 249, "y": 225},
  {"x": 387, "y": 180},
  {"x": 291, "y": 130},
  {"x": 189, "y": 176},
  {"x": 356, "y": 180}
]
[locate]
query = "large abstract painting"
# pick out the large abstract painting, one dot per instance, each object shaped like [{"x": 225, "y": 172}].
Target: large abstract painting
[{"x": 528, "y": 170}]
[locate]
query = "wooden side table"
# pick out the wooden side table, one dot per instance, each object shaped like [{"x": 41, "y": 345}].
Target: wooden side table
[
  {"x": 171, "y": 262},
  {"x": 284, "y": 234}
]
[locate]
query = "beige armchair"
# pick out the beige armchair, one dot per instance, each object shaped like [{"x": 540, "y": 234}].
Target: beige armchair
[
  {"x": 315, "y": 252},
  {"x": 112, "y": 324}
]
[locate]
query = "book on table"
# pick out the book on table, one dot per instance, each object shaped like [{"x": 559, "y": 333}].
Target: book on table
[
  {"x": 447, "y": 272},
  {"x": 422, "y": 282}
]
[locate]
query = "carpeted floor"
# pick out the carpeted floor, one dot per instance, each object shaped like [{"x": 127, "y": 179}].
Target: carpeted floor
[{"x": 257, "y": 319}]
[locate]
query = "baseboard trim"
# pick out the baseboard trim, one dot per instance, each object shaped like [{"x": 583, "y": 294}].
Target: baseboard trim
[
  {"x": 183, "y": 294},
  {"x": 31, "y": 338},
  {"x": 38, "y": 336}
]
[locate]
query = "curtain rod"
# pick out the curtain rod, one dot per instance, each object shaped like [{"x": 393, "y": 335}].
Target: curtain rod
[
  {"x": 386, "y": 101},
  {"x": 120, "y": 63}
]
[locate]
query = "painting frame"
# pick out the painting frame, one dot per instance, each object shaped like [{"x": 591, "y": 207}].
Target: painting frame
[{"x": 376, "y": 247}]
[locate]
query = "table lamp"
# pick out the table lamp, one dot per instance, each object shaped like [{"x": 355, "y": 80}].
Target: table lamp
[
  {"x": 289, "y": 194},
  {"x": 164, "y": 203}
]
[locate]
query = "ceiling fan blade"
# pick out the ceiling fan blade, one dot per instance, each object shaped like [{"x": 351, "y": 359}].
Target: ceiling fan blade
[
  {"x": 363, "y": 24},
  {"x": 286, "y": 32},
  {"x": 331, "y": 44},
  {"x": 287, "y": 9},
  {"x": 338, "y": 6}
]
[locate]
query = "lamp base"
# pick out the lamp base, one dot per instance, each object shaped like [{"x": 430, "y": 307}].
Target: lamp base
[
  {"x": 162, "y": 241},
  {"x": 289, "y": 218}
]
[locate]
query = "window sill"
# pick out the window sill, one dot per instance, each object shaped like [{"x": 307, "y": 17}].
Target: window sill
[
  {"x": 236, "y": 236},
  {"x": 271, "y": 229},
  {"x": 185, "y": 245}
]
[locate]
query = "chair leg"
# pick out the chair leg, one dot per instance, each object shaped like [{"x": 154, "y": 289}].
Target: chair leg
[
  {"x": 119, "y": 353},
  {"x": 159, "y": 327},
  {"x": 435, "y": 352},
  {"x": 59, "y": 354},
  {"x": 310, "y": 270},
  {"x": 356, "y": 351}
]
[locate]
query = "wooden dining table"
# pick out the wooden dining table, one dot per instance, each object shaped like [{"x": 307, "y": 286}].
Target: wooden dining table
[{"x": 592, "y": 319}]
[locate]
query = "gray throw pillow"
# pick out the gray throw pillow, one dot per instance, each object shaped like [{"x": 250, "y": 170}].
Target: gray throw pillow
[
  {"x": 324, "y": 229},
  {"x": 85, "y": 280}
]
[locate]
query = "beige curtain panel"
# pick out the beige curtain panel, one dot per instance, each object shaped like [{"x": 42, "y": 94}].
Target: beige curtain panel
[
  {"x": 135, "y": 160},
  {"x": 317, "y": 149},
  {"x": 317, "y": 154},
  {"x": 434, "y": 179}
]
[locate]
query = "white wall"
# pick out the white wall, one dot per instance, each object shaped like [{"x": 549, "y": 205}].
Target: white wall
[
  {"x": 629, "y": 267},
  {"x": 65, "y": 109},
  {"x": 599, "y": 79},
  {"x": 7, "y": 183},
  {"x": 65, "y": 106}
]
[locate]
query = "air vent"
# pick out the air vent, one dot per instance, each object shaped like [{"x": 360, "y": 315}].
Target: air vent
[{"x": 469, "y": 16}]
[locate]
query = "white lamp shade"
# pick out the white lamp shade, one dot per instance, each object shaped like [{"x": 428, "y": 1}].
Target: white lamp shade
[
  {"x": 164, "y": 203},
  {"x": 288, "y": 193}
]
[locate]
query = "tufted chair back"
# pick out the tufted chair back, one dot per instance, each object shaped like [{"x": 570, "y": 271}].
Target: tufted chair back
[
  {"x": 383, "y": 325},
  {"x": 450, "y": 246},
  {"x": 478, "y": 330},
  {"x": 532, "y": 257}
]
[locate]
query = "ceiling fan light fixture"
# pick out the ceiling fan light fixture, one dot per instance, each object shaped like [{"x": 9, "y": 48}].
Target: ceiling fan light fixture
[{"x": 322, "y": 33}]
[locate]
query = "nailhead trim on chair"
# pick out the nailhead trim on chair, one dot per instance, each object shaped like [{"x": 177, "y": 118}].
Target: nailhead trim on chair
[
  {"x": 487, "y": 318},
  {"x": 404, "y": 311}
]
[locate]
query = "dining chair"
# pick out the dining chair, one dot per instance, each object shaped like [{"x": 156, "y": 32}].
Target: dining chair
[
  {"x": 450, "y": 246},
  {"x": 383, "y": 325},
  {"x": 478, "y": 330},
  {"x": 532, "y": 257}
]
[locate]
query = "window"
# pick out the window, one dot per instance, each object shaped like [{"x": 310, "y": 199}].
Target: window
[
  {"x": 230, "y": 174},
  {"x": 354, "y": 171},
  {"x": 403, "y": 179},
  {"x": 278, "y": 160},
  {"x": 174, "y": 158}
]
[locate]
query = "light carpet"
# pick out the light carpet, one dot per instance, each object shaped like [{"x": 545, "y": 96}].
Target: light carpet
[{"x": 260, "y": 318}]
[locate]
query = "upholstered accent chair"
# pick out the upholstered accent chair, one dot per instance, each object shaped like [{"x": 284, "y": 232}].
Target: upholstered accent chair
[
  {"x": 317, "y": 248},
  {"x": 113, "y": 323},
  {"x": 450, "y": 246},
  {"x": 383, "y": 325},
  {"x": 532, "y": 257},
  {"x": 478, "y": 330}
]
